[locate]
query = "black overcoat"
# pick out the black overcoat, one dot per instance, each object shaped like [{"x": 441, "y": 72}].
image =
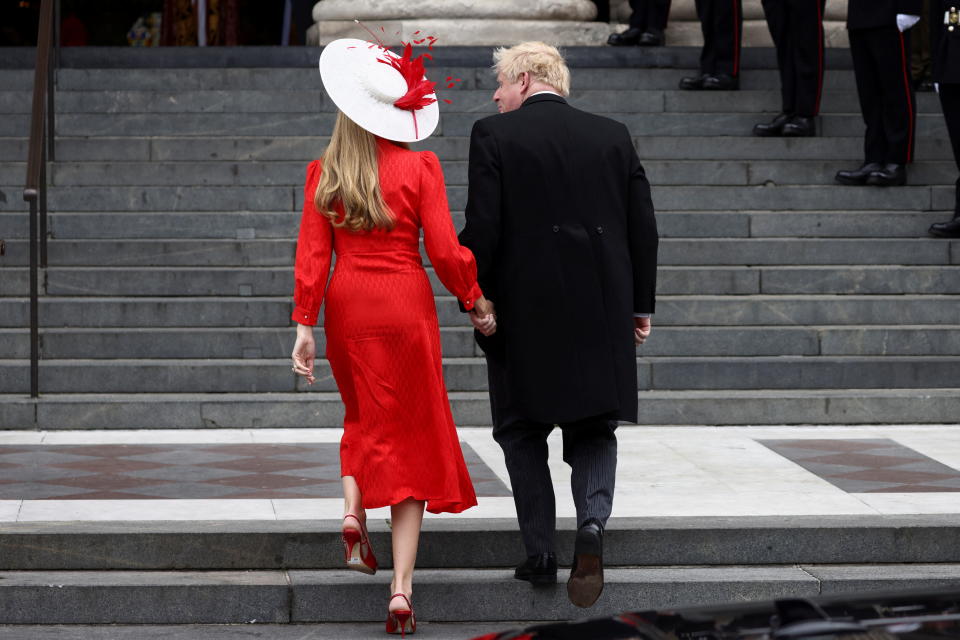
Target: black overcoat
[
  {"x": 870, "y": 14},
  {"x": 944, "y": 42},
  {"x": 560, "y": 219}
]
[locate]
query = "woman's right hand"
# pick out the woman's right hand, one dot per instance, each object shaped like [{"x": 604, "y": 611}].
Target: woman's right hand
[
  {"x": 484, "y": 317},
  {"x": 304, "y": 353}
]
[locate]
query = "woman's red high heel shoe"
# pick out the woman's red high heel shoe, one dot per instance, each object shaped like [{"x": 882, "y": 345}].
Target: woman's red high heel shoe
[
  {"x": 356, "y": 548},
  {"x": 401, "y": 621}
]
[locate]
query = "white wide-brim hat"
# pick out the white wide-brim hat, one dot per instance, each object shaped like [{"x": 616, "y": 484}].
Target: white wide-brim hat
[{"x": 364, "y": 89}]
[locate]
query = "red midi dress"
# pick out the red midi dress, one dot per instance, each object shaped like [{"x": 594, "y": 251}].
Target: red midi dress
[{"x": 383, "y": 338}]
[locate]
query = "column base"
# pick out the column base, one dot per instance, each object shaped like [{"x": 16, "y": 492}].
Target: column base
[{"x": 466, "y": 32}]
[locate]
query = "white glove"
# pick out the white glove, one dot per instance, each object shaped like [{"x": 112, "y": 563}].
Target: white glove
[
  {"x": 936, "y": 87},
  {"x": 905, "y": 21}
]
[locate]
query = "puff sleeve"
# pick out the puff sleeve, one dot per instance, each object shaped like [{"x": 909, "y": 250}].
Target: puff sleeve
[
  {"x": 454, "y": 263},
  {"x": 314, "y": 253}
]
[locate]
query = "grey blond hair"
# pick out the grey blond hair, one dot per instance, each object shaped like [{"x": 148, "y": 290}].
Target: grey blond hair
[{"x": 542, "y": 61}]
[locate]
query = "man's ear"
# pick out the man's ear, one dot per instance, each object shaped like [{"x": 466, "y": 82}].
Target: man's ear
[{"x": 524, "y": 80}]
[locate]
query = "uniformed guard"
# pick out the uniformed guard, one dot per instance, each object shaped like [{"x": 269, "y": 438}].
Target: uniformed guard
[
  {"x": 797, "y": 30},
  {"x": 722, "y": 24},
  {"x": 880, "y": 48},
  {"x": 945, "y": 51}
]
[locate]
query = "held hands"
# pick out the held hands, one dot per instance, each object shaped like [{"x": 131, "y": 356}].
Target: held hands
[
  {"x": 483, "y": 317},
  {"x": 641, "y": 330},
  {"x": 304, "y": 353},
  {"x": 906, "y": 21}
]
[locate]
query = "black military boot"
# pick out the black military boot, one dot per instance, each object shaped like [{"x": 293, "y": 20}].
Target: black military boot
[
  {"x": 628, "y": 38},
  {"x": 721, "y": 82},
  {"x": 694, "y": 83},
  {"x": 800, "y": 127},
  {"x": 772, "y": 128},
  {"x": 946, "y": 229},
  {"x": 651, "y": 38},
  {"x": 858, "y": 176},
  {"x": 890, "y": 175}
]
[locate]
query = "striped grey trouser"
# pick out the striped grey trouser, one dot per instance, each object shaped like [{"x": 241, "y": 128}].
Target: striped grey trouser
[{"x": 589, "y": 447}]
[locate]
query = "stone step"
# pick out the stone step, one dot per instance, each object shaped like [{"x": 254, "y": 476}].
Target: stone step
[
  {"x": 324, "y": 409},
  {"x": 670, "y": 224},
  {"x": 699, "y": 310},
  {"x": 479, "y": 102},
  {"x": 671, "y": 280},
  {"x": 929, "y": 125},
  {"x": 672, "y": 252},
  {"x": 665, "y": 373},
  {"x": 490, "y": 543},
  {"x": 185, "y": 597},
  {"x": 665, "y": 198},
  {"x": 282, "y": 79},
  {"x": 233, "y": 148},
  {"x": 277, "y": 342},
  {"x": 290, "y": 174}
]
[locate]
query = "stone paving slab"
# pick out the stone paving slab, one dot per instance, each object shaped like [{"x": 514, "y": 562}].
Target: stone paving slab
[{"x": 323, "y": 631}]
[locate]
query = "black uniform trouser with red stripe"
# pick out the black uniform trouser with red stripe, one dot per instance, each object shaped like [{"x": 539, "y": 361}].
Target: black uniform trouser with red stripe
[
  {"x": 722, "y": 25},
  {"x": 950, "y": 102},
  {"x": 649, "y": 14},
  {"x": 881, "y": 62},
  {"x": 797, "y": 30}
]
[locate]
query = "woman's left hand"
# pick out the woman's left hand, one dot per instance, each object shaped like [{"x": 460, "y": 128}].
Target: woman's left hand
[{"x": 304, "y": 353}]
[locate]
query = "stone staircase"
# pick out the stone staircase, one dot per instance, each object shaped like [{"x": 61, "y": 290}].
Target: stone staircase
[{"x": 784, "y": 298}]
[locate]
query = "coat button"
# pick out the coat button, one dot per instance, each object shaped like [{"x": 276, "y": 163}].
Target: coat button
[
  {"x": 556, "y": 229},
  {"x": 599, "y": 229}
]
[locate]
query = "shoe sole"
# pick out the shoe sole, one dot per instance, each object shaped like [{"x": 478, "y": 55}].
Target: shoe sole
[{"x": 586, "y": 583}]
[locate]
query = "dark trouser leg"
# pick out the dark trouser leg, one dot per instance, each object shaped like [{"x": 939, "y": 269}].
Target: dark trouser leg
[
  {"x": 775, "y": 13},
  {"x": 660, "y": 14},
  {"x": 603, "y": 10},
  {"x": 639, "y": 14},
  {"x": 869, "y": 92},
  {"x": 728, "y": 32},
  {"x": 590, "y": 448},
  {"x": 950, "y": 103},
  {"x": 706, "y": 11},
  {"x": 892, "y": 50},
  {"x": 525, "y": 451},
  {"x": 806, "y": 26}
]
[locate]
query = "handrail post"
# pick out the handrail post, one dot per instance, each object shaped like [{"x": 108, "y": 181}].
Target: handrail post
[
  {"x": 34, "y": 304},
  {"x": 43, "y": 209}
]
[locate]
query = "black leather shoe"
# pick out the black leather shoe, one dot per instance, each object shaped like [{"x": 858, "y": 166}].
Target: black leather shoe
[
  {"x": 694, "y": 83},
  {"x": 539, "y": 569},
  {"x": 772, "y": 128},
  {"x": 800, "y": 127},
  {"x": 890, "y": 175},
  {"x": 946, "y": 229},
  {"x": 586, "y": 576},
  {"x": 858, "y": 176},
  {"x": 628, "y": 38},
  {"x": 721, "y": 82},
  {"x": 651, "y": 38}
]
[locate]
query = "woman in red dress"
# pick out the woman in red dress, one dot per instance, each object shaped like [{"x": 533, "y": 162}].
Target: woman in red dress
[{"x": 366, "y": 200}]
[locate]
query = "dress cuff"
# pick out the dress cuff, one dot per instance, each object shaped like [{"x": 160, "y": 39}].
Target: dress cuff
[
  {"x": 302, "y": 316},
  {"x": 471, "y": 298}
]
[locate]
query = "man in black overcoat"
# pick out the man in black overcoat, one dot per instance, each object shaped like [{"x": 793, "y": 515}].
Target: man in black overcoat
[
  {"x": 880, "y": 48},
  {"x": 945, "y": 51},
  {"x": 560, "y": 220}
]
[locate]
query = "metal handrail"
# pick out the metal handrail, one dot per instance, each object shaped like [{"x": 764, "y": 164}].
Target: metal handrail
[{"x": 41, "y": 150}]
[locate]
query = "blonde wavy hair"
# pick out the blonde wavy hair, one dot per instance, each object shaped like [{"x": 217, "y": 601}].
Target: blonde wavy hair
[
  {"x": 351, "y": 177},
  {"x": 542, "y": 61}
]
